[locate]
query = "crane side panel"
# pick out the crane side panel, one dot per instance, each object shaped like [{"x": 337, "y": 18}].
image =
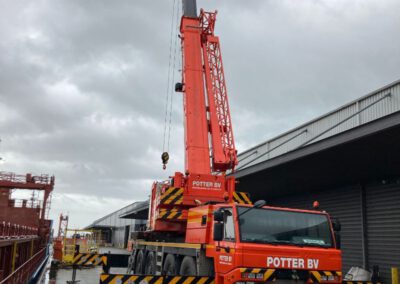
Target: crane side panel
[
  {"x": 199, "y": 224},
  {"x": 196, "y": 126}
]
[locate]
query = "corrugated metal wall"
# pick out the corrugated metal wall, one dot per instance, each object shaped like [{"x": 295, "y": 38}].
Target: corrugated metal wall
[
  {"x": 382, "y": 223},
  {"x": 118, "y": 225},
  {"x": 118, "y": 238},
  {"x": 383, "y": 227},
  {"x": 113, "y": 219},
  {"x": 345, "y": 204}
]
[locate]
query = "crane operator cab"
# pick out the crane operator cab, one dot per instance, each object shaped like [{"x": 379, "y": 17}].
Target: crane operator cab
[{"x": 257, "y": 243}]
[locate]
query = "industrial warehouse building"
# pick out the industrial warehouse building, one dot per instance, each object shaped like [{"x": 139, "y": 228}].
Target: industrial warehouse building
[
  {"x": 116, "y": 227},
  {"x": 349, "y": 161}
]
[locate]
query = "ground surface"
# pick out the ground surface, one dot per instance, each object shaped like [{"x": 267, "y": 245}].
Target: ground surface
[{"x": 86, "y": 276}]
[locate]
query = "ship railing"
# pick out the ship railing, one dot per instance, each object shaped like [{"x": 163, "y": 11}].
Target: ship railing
[
  {"x": 24, "y": 203},
  {"x": 10, "y": 231},
  {"x": 8, "y": 176},
  {"x": 28, "y": 178},
  {"x": 24, "y": 272}
]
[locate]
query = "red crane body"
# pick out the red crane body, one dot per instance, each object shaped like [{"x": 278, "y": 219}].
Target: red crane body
[
  {"x": 206, "y": 109},
  {"x": 197, "y": 149},
  {"x": 209, "y": 143}
]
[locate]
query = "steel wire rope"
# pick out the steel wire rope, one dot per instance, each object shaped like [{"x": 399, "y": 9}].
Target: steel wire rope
[
  {"x": 173, "y": 75},
  {"x": 167, "y": 97}
]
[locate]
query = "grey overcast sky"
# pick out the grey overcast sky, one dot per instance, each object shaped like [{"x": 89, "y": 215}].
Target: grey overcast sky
[{"x": 83, "y": 83}]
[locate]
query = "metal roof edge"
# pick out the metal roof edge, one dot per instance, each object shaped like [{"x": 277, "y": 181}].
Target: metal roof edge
[
  {"x": 322, "y": 116},
  {"x": 143, "y": 205},
  {"x": 386, "y": 122},
  {"x": 108, "y": 215}
]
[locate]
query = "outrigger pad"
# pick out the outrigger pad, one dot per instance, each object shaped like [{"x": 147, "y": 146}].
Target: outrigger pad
[{"x": 153, "y": 279}]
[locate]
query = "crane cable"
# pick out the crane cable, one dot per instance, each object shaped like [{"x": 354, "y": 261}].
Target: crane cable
[
  {"x": 170, "y": 78},
  {"x": 173, "y": 74}
]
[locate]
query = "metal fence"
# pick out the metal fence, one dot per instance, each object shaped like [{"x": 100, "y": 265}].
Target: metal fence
[{"x": 23, "y": 273}]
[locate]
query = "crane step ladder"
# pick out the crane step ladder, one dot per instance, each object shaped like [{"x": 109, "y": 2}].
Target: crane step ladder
[
  {"x": 159, "y": 259},
  {"x": 131, "y": 262}
]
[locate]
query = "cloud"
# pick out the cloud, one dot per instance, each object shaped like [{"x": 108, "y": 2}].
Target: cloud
[{"x": 83, "y": 84}]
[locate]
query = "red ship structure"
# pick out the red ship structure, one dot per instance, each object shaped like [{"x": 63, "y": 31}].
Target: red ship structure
[{"x": 24, "y": 227}]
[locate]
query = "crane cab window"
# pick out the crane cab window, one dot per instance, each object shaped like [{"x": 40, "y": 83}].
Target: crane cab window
[
  {"x": 272, "y": 226},
  {"x": 229, "y": 227}
]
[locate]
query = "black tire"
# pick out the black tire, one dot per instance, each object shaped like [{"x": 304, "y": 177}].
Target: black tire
[
  {"x": 170, "y": 265},
  {"x": 188, "y": 267},
  {"x": 139, "y": 262},
  {"x": 150, "y": 268}
]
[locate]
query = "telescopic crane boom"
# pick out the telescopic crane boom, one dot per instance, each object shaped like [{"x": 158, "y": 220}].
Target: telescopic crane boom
[
  {"x": 208, "y": 126},
  {"x": 209, "y": 144}
]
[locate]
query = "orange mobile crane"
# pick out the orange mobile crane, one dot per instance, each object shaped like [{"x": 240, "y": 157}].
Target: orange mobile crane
[{"x": 198, "y": 226}]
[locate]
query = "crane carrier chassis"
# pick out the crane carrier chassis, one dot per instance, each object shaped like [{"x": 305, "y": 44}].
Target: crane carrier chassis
[
  {"x": 230, "y": 243},
  {"x": 234, "y": 243},
  {"x": 266, "y": 244}
]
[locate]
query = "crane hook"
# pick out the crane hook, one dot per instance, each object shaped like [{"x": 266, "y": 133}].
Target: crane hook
[{"x": 165, "y": 158}]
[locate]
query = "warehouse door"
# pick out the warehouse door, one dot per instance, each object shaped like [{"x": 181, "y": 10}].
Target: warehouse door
[
  {"x": 344, "y": 204},
  {"x": 383, "y": 228},
  {"x": 126, "y": 238}
]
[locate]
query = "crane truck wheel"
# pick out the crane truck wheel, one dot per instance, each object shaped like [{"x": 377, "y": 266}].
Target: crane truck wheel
[
  {"x": 188, "y": 267},
  {"x": 139, "y": 262},
  {"x": 171, "y": 266},
  {"x": 150, "y": 268}
]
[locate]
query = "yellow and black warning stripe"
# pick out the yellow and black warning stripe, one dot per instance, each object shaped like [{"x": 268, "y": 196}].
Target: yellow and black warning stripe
[
  {"x": 360, "y": 282},
  {"x": 172, "y": 196},
  {"x": 149, "y": 279},
  {"x": 89, "y": 259},
  {"x": 241, "y": 197},
  {"x": 268, "y": 274},
  {"x": 316, "y": 276},
  {"x": 171, "y": 214}
]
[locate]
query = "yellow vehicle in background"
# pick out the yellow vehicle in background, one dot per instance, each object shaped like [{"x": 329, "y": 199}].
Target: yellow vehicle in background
[{"x": 88, "y": 241}]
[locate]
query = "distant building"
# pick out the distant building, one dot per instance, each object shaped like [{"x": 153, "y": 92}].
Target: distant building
[{"x": 117, "y": 226}]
